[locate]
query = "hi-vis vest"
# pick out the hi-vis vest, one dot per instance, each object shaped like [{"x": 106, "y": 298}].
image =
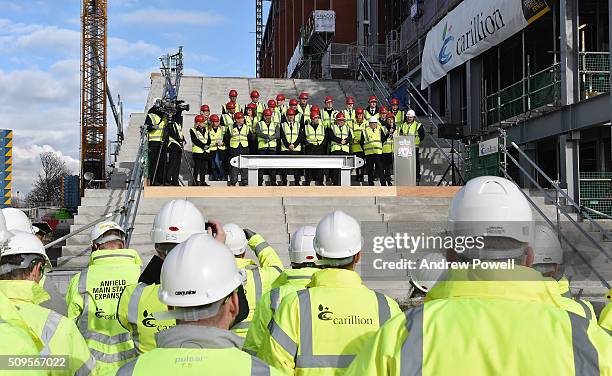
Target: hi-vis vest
[
  {"x": 328, "y": 119},
  {"x": 350, "y": 117},
  {"x": 158, "y": 128},
  {"x": 412, "y": 129},
  {"x": 319, "y": 330},
  {"x": 372, "y": 144},
  {"x": 342, "y": 133},
  {"x": 314, "y": 136},
  {"x": 92, "y": 300},
  {"x": 368, "y": 113},
  {"x": 135, "y": 312},
  {"x": 258, "y": 111},
  {"x": 388, "y": 145},
  {"x": 215, "y": 135},
  {"x": 239, "y": 137},
  {"x": 399, "y": 118},
  {"x": 228, "y": 120},
  {"x": 291, "y": 133},
  {"x": 268, "y": 129},
  {"x": 179, "y": 131},
  {"x": 357, "y": 129},
  {"x": 251, "y": 123},
  {"x": 304, "y": 112},
  {"x": 225, "y": 111},
  {"x": 201, "y": 136}
]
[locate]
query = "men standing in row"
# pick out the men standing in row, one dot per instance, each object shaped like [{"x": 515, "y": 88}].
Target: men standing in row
[
  {"x": 303, "y": 108},
  {"x": 268, "y": 133},
  {"x": 328, "y": 114},
  {"x": 357, "y": 127},
  {"x": 237, "y": 137},
  {"x": 291, "y": 137},
  {"x": 316, "y": 144},
  {"x": 216, "y": 148},
  {"x": 233, "y": 97},
  {"x": 372, "y": 141},
  {"x": 199, "y": 150}
]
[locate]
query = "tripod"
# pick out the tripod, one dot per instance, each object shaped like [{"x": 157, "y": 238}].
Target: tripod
[{"x": 453, "y": 169}]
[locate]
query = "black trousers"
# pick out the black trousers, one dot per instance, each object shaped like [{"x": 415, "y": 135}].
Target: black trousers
[
  {"x": 315, "y": 174},
  {"x": 157, "y": 159},
  {"x": 387, "y": 168},
  {"x": 270, "y": 172},
  {"x": 373, "y": 168},
  {"x": 174, "y": 164},
  {"x": 418, "y": 164},
  {"x": 200, "y": 168},
  {"x": 234, "y": 171},
  {"x": 297, "y": 173},
  {"x": 359, "y": 172},
  {"x": 335, "y": 173}
]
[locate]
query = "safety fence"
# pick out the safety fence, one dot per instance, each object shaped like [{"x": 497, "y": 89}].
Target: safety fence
[
  {"x": 594, "y": 70},
  {"x": 476, "y": 165},
  {"x": 534, "y": 91},
  {"x": 596, "y": 193}
]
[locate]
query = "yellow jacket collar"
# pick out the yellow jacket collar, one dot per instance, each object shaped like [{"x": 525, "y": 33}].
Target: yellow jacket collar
[
  {"x": 244, "y": 262},
  {"x": 333, "y": 277},
  {"x": 114, "y": 256},
  {"x": 298, "y": 277},
  {"x": 521, "y": 283},
  {"x": 25, "y": 291}
]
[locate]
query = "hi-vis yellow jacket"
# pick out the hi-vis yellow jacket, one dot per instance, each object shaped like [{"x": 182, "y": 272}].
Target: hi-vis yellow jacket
[
  {"x": 319, "y": 330},
  {"x": 259, "y": 278},
  {"x": 485, "y": 326}
]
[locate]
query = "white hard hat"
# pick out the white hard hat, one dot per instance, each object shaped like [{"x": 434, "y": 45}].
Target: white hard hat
[
  {"x": 411, "y": 113},
  {"x": 102, "y": 228},
  {"x": 424, "y": 278},
  {"x": 373, "y": 119},
  {"x": 491, "y": 206},
  {"x": 17, "y": 220},
  {"x": 198, "y": 272},
  {"x": 235, "y": 238},
  {"x": 546, "y": 246},
  {"x": 24, "y": 243},
  {"x": 301, "y": 249},
  {"x": 176, "y": 221},
  {"x": 337, "y": 239}
]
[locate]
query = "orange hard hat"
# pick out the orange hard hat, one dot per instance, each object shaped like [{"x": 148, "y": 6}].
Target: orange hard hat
[
  {"x": 340, "y": 116},
  {"x": 395, "y": 101},
  {"x": 373, "y": 99},
  {"x": 280, "y": 97},
  {"x": 390, "y": 115},
  {"x": 359, "y": 111},
  {"x": 293, "y": 102},
  {"x": 252, "y": 105},
  {"x": 329, "y": 98},
  {"x": 272, "y": 103}
]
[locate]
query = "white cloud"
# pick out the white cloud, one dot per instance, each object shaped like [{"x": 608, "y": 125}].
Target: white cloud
[
  {"x": 120, "y": 48},
  {"x": 49, "y": 38},
  {"x": 26, "y": 164},
  {"x": 157, "y": 16}
]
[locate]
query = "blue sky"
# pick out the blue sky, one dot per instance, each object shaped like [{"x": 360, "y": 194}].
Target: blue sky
[{"x": 40, "y": 59}]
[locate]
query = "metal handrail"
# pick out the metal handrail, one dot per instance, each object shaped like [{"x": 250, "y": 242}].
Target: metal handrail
[
  {"x": 596, "y": 212},
  {"x": 377, "y": 84}
]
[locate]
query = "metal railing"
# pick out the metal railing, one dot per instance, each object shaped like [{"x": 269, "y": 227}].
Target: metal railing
[
  {"x": 561, "y": 209},
  {"x": 594, "y": 70},
  {"x": 536, "y": 90}
]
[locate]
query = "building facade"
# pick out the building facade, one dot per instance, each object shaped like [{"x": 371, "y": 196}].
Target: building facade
[{"x": 6, "y": 166}]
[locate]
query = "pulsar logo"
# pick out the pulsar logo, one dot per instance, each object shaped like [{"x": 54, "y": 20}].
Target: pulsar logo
[
  {"x": 445, "y": 56},
  {"x": 326, "y": 315}
]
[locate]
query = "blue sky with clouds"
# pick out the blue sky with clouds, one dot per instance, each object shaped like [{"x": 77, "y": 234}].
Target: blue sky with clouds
[{"x": 40, "y": 60}]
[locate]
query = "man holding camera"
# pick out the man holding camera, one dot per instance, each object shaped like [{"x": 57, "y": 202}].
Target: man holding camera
[{"x": 155, "y": 124}]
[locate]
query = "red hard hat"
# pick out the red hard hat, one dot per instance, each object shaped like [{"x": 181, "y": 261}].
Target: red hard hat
[
  {"x": 233, "y": 93},
  {"x": 395, "y": 101},
  {"x": 214, "y": 118},
  {"x": 314, "y": 113},
  {"x": 231, "y": 105},
  {"x": 280, "y": 97},
  {"x": 359, "y": 111},
  {"x": 350, "y": 100},
  {"x": 340, "y": 116},
  {"x": 204, "y": 108},
  {"x": 200, "y": 119},
  {"x": 291, "y": 111},
  {"x": 238, "y": 115},
  {"x": 329, "y": 98},
  {"x": 272, "y": 103},
  {"x": 293, "y": 102},
  {"x": 383, "y": 110},
  {"x": 254, "y": 94},
  {"x": 267, "y": 112},
  {"x": 252, "y": 105},
  {"x": 390, "y": 115},
  {"x": 303, "y": 95},
  {"x": 315, "y": 108},
  {"x": 372, "y": 99}
]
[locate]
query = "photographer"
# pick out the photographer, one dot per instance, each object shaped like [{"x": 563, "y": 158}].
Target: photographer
[
  {"x": 176, "y": 140},
  {"x": 155, "y": 123}
]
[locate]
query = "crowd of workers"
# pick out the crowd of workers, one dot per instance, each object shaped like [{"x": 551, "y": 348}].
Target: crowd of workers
[
  {"x": 203, "y": 306},
  {"x": 280, "y": 127}
]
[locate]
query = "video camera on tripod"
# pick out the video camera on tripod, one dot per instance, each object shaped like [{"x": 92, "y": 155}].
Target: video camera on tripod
[{"x": 171, "y": 106}]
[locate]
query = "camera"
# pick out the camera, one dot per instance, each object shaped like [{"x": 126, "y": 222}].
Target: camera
[{"x": 171, "y": 106}]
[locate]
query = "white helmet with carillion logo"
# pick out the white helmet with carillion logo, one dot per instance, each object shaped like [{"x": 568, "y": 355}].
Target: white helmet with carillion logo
[
  {"x": 235, "y": 238},
  {"x": 196, "y": 277},
  {"x": 301, "y": 248},
  {"x": 176, "y": 221},
  {"x": 492, "y": 207},
  {"x": 337, "y": 239}
]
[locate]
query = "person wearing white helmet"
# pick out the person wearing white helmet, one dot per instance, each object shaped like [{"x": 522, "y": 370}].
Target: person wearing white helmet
[
  {"x": 412, "y": 127},
  {"x": 372, "y": 139},
  {"x": 424, "y": 278},
  {"x": 199, "y": 281},
  {"x": 176, "y": 221},
  {"x": 22, "y": 265},
  {"x": 302, "y": 257},
  {"x": 93, "y": 295},
  {"x": 259, "y": 277},
  {"x": 155, "y": 125},
  {"x": 490, "y": 321},
  {"x": 318, "y": 330}
]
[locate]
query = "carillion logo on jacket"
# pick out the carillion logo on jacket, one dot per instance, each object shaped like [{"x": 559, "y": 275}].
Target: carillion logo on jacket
[{"x": 326, "y": 315}]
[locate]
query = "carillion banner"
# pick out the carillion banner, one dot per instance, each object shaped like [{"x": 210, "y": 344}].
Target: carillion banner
[{"x": 470, "y": 29}]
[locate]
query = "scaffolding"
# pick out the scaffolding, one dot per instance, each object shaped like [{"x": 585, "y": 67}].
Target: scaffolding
[
  {"x": 93, "y": 89},
  {"x": 258, "y": 34},
  {"x": 594, "y": 69}
]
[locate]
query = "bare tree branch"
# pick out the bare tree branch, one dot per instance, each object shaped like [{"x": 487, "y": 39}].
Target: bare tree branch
[{"x": 48, "y": 184}]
